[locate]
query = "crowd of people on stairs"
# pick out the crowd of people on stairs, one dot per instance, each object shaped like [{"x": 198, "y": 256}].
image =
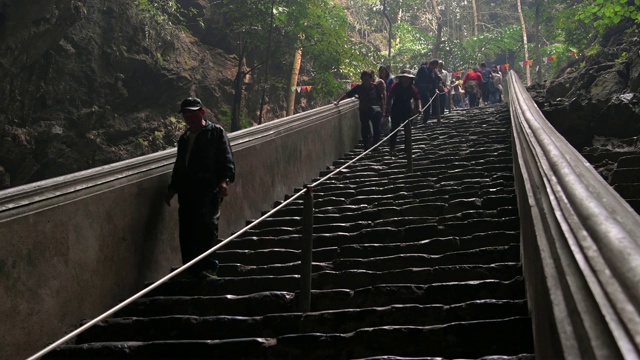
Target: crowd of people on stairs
[{"x": 386, "y": 101}]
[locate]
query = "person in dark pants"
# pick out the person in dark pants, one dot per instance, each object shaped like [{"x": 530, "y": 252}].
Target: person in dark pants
[
  {"x": 371, "y": 107},
  {"x": 427, "y": 80},
  {"x": 471, "y": 86},
  {"x": 202, "y": 172},
  {"x": 400, "y": 102},
  {"x": 487, "y": 83}
]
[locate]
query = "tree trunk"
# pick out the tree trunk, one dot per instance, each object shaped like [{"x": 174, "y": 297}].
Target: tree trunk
[
  {"x": 297, "y": 59},
  {"x": 436, "y": 48},
  {"x": 389, "y": 39},
  {"x": 475, "y": 16},
  {"x": 524, "y": 40},
  {"x": 438, "y": 44},
  {"x": 238, "y": 90},
  {"x": 266, "y": 67}
]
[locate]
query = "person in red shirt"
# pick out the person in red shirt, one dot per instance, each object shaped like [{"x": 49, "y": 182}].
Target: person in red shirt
[{"x": 471, "y": 85}]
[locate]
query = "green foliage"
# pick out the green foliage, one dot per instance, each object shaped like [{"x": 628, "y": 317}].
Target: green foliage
[
  {"x": 160, "y": 18},
  {"x": 572, "y": 33},
  {"x": 561, "y": 51},
  {"x": 411, "y": 45},
  {"x": 592, "y": 49},
  {"x": 605, "y": 13},
  {"x": 158, "y": 9},
  {"x": 476, "y": 49},
  {"x": 622, "y": 57},
  {"x": 224, "y": 117}
]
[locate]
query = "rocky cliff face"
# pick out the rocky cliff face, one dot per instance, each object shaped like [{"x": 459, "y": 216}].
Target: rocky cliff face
[
  {"x": 91, "y": 83},
  {"x": 598, "y": 96},
  {"x": 595, "y": 105}
]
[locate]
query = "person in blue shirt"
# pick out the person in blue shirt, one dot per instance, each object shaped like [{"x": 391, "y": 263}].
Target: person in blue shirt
[{"x": 487, "y": 83}]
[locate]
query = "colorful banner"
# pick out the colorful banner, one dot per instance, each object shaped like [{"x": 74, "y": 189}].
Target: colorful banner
[{"x": 302, "y": 88}]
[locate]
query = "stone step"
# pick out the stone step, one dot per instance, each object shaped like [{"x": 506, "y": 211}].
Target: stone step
[
  {"x": 435, "y": 245},
  {"x": 469, "y": 339},
  {"x": 489, "y": 357},
  {"x": 457, "y": 227},
  {"x": 274, "y": 302},
  {"x": 406, "y": 265},
  {"x": 628, "y": 190},
  {"x": 284, "y": 262},
  {"x": 482, "y": 256},
  {"x": 219, "y": 327},
  {"x": 364, "y": 198},
  {"x": 403, "y": 228},
  {"x": 625, "y": 176},
  {"x": 349, "y": 279},
  {"x": 372, "y": 262}
]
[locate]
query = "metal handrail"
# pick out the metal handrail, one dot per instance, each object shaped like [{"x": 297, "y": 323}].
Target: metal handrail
[
  {"x": 181, "y": 269},
  {"x": 580, "y": 244}
]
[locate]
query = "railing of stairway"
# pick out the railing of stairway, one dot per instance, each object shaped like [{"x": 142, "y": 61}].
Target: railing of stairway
[
  {"x": 580, "y": 245},
  {"x": 307, "y": 236}
]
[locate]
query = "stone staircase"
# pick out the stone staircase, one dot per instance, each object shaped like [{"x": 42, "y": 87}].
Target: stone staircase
[
  {"x": 618, "y": 162},
  {"x": 404, "y": 266}
]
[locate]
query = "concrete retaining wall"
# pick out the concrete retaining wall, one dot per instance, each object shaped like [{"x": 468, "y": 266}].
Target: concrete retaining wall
[{"x": 75, "y": 246}]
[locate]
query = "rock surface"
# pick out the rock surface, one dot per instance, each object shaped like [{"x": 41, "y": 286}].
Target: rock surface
[
  {"x": 596, "y": 107},
  {"x": 91, "y": 83},
  {"x": 599, "y": 97}
]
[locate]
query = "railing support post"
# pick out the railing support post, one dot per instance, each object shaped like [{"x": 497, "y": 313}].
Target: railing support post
[
  {"x": 438, "y": 105},
  {"x": 306, "y": 251},
  {"x": 408, "y": 146}
]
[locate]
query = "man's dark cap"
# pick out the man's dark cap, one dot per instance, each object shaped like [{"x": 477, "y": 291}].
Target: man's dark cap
[{"x": 190, "y": 103}]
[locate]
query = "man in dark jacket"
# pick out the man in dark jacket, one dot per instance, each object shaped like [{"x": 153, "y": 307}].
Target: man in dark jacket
[
  {"x": 371, "y": 99},
  {"x": 404, "y": 102},
  {"x": 487, "y": 83},
  {"x": 427, "y": 80},
  {"x": 203, "y": 170}
]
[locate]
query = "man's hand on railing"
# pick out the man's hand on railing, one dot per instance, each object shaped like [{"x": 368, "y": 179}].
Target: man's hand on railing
[
  {"x": 223, "y": 188},
  {"x": 168, "y": 196}
]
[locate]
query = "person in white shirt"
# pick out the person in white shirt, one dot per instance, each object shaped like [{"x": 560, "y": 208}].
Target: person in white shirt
[{"x": 445, "y": 76}]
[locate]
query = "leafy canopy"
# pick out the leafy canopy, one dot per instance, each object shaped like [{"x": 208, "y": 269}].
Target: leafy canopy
[{"x": 606, "y": 13}]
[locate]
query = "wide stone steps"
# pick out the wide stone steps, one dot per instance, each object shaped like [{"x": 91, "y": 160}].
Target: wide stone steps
[
  {"x": 273, "y": 325},
  {"x": 481, "y": 337},
  {"x": 434, "y": 245},
  {"x": 349, "y": 279},
  {"x": 462, "y": 251},
  {"x": 273, "y": 302},
  {"x": 422, "y": 265},
  {"x": 247, "y": 263}
]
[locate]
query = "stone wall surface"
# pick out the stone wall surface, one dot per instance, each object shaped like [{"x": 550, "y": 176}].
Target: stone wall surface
[{"x": 77, "y": 245}]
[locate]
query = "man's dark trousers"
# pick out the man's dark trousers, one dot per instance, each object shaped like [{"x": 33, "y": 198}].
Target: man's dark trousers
[{"x": 199, "y": 215}]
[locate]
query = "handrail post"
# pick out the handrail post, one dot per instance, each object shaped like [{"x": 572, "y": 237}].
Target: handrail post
[
  {"x": 306, "y": 251},
  {"x": 438, "y": 107},
  {"x": 408, "y": 146}
]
